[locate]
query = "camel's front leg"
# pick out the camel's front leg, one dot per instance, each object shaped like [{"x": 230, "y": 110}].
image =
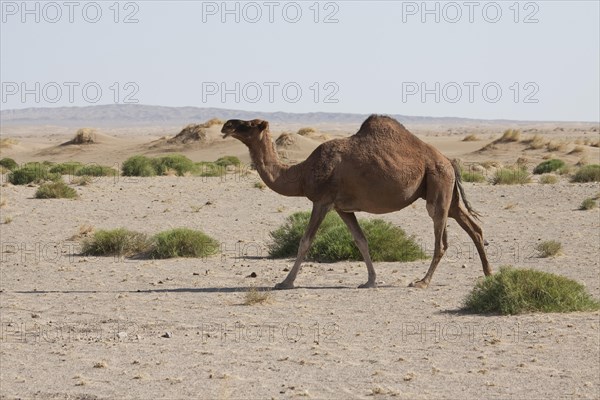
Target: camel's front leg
[
  {"x": 363, "y": 246},
  {"x": 319, "y": 212}
]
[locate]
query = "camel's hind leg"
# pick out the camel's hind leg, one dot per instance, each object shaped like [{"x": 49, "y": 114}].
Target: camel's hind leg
[
  {"x": 438, "y": 204},
  {"x": 458, "y": 212},
  {"x": 319, "y": 212},
  {"x": 361, "y": 242}
]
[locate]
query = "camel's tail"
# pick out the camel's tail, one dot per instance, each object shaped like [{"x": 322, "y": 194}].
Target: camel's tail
[{"x": 459, "y": 186}]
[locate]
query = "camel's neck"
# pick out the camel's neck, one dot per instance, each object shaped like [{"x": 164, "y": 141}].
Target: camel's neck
[{"x": 281, "y": 178}]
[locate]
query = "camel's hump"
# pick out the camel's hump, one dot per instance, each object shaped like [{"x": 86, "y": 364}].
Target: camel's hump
[{"x": 380, "y": 125}]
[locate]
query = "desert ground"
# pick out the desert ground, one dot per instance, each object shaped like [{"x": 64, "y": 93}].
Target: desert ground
[{"x": 82, "y": 327}]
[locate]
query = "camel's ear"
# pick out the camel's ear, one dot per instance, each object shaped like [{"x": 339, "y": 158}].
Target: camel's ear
[{"x": 263, "y": 125}]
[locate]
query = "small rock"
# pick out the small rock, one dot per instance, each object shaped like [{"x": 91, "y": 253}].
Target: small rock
[
  {"x": 167, "y": 335},
  {"x": 195, "y": 273},
  {"x": 252, "y": 275},
  {"x": 464, "y": 266},
  {"x": 122, "y": 335},
  {"x": 35, "y": 315}
]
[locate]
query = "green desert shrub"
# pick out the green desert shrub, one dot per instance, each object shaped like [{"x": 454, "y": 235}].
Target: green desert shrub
[
  {"x": 183, "y": 242},
  {"x": 548, "y": 166},
  {"x": 549, "y": 248},
  {"x": 176, "y": 162},
  {"x": 8, "y": 163},
  {"x": 138, "y": 166},
  {"x": 56, "y": 190},
  {"x": 204, "y": 168},
  {"x": 587, "y": 173},
  {"x": 227, "y": 161},
  {"x": 66, "y": 168},
  {"x": 516, "y": 291},
  {"x": 511, "y": 176},
  {"x": 96, "y": 170},
  {"x": 548, "y": 179},
  {"x": 32, "y": 173},
  {"x": 588, "y": 204},
  {"x": 333, "y": 241},
  {"x": 472, "y": 176},
  {"x": 120, "y": 242}
]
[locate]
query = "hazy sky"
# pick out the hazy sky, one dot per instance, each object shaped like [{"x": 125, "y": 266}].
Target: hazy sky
[{"x": 514, "y": 60}]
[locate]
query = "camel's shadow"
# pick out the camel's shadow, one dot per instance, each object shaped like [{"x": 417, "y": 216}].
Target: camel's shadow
[{"x": 236, "y": 289}]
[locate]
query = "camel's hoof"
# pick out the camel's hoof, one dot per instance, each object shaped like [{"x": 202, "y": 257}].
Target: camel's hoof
[
  {"x": 419, "y": 285},
  {"x": 368, "y": 285},
  {"x": 284, "y": 286}
]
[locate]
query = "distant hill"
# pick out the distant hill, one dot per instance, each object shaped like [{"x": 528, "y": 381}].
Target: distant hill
[{"x": 142, "y": 115}]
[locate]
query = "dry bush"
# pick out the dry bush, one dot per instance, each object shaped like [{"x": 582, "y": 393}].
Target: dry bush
[
  {"x": 471, "y": 138},
  {"x": 490, "y": 164},
  {"x": 554, "y": 145},
  {"x": 548, "y": 179},
  {"x": 535, "y": 143},
  {"x": 84, "y": 136},
  {"x": 83, "y": 180},
  {"x": 306, "y": 131},
  {"x": 85, "y": 231},
  {"x": 191, "y": 133},
  {"x": 577, "y": 150},
  {"x": 510, "y": 135},
  {"x": 260, "y": 185},
  {"x": 211, "y": 122},
  {"x": 582, "y": 161},
  {"x": 7, "y": 143},
  {"x": 549, "y": 248},
  {"x": 588, "y": 204},
  {"x": 254, "y": 296},
  {"x": 286, "y": 139}
]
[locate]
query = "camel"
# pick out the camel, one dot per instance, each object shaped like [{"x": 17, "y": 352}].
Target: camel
[{"x": 380, "y": 169}]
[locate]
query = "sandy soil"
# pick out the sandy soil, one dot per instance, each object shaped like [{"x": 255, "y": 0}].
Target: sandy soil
[{"x": 75, "y": 327}]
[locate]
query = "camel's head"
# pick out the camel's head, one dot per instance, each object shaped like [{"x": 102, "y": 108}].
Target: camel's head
[{"x": 245, "y": 131}]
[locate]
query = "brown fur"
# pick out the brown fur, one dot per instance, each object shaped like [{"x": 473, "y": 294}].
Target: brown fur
[{"x": 381, "y": 169}]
